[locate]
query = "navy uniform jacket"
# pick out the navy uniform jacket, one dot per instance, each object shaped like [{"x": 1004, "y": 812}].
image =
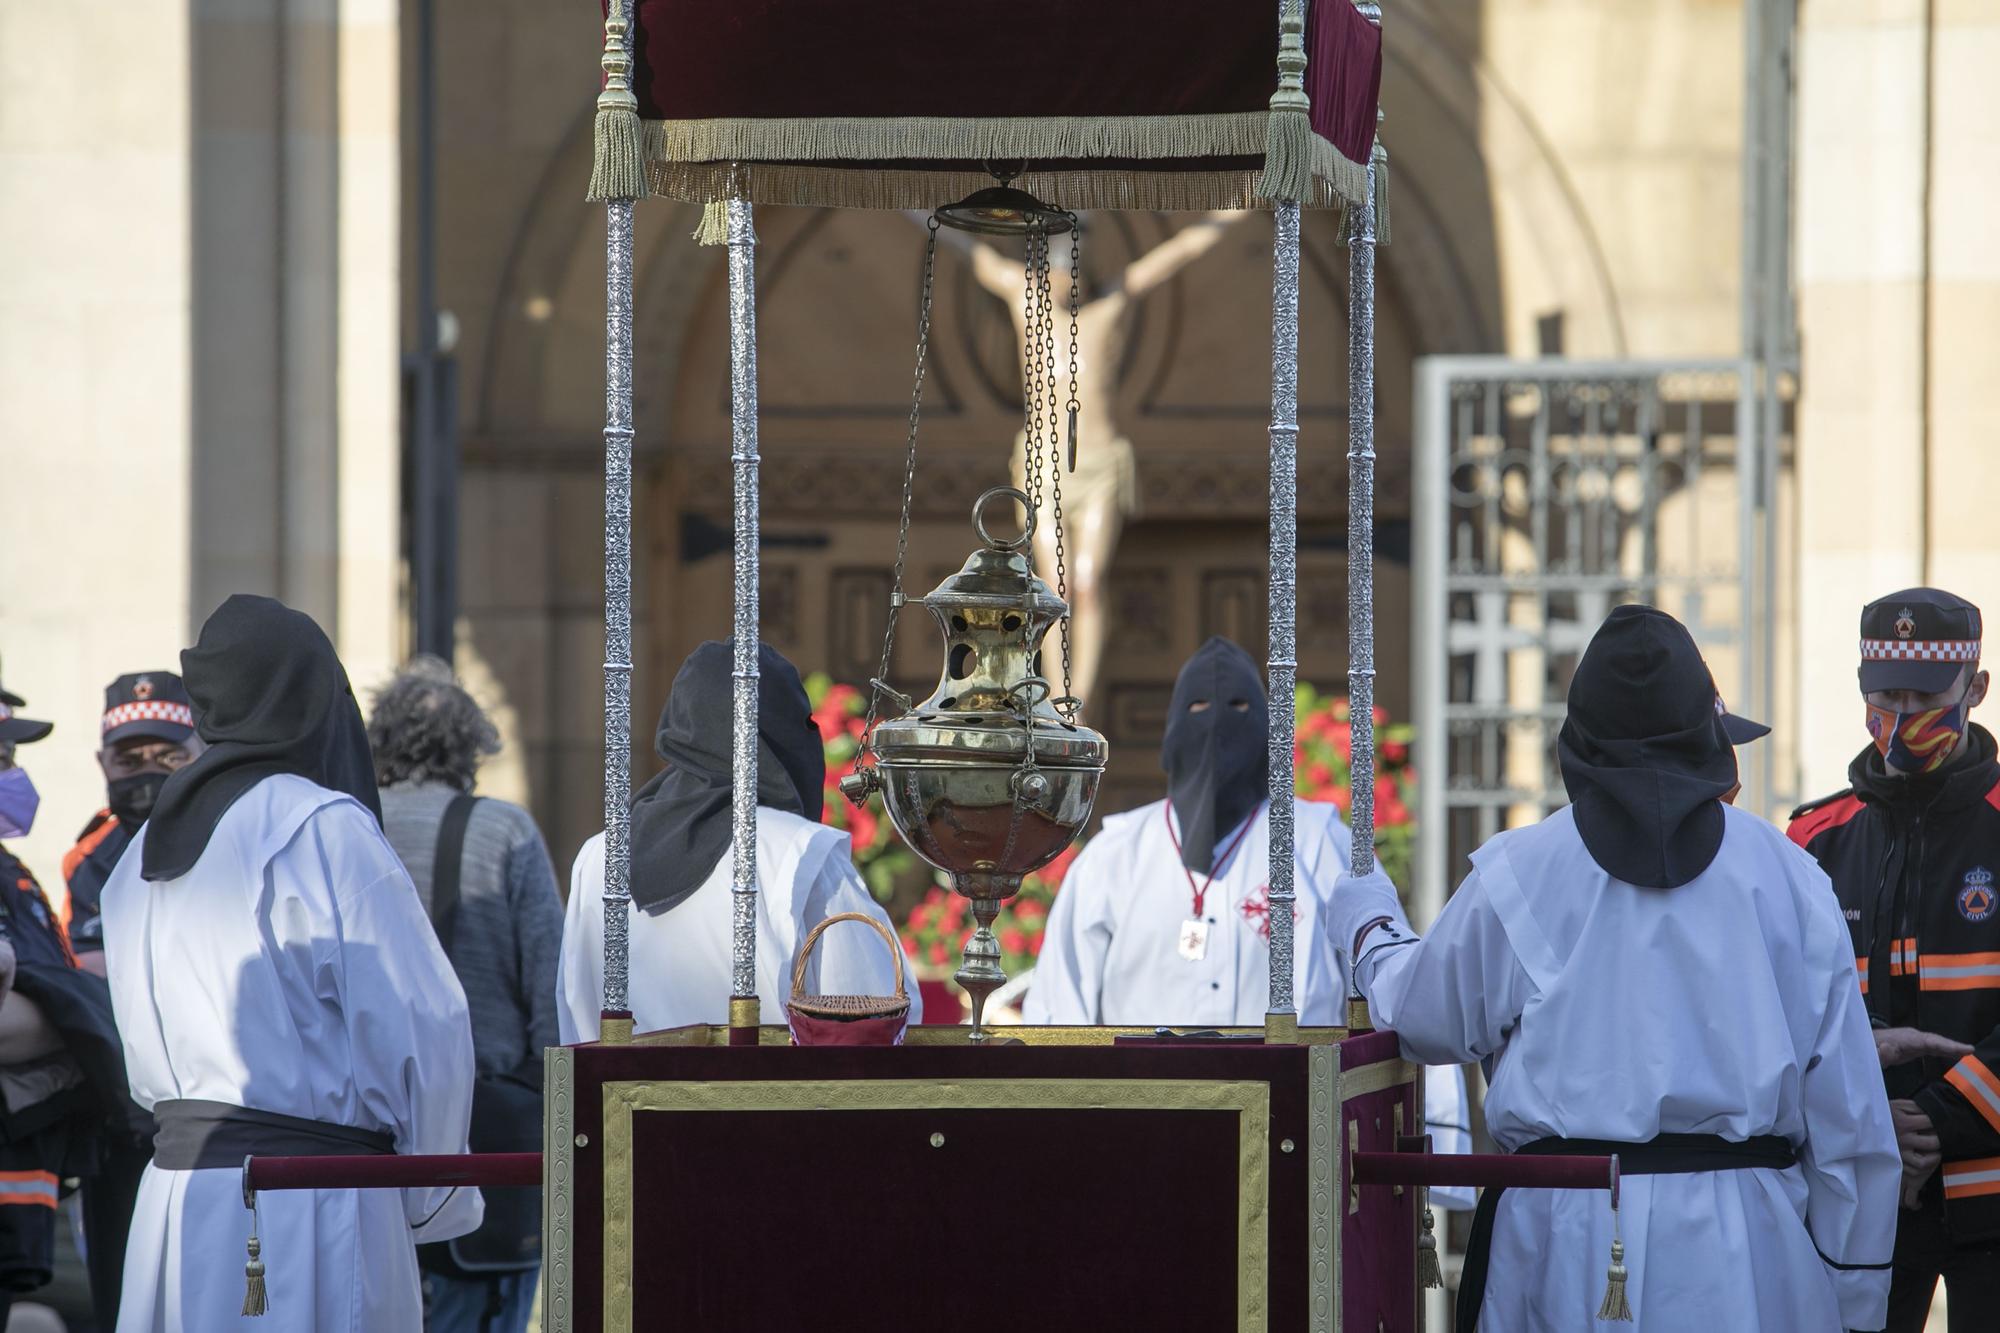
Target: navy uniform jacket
[{"x": 1916, "y": 864}]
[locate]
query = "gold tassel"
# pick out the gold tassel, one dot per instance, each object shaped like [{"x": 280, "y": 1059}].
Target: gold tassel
[
  {"x": 618, "y": 159},
  {"x": 714, "y": 228},
  {"x": 1288, "y": 139},
  {"x": 1615, "y": 1306},
  {"x": 254, "y": 1299},
  {"x": 1430, "y": 1272}
]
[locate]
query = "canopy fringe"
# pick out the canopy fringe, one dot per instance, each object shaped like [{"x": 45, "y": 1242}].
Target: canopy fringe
[
  {"x": 805, "y": 185},
  {"x": 1289, "y": 146},
  {"x": 618, "y": 158}
]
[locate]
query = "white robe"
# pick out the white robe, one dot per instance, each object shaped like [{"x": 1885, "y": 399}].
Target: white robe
[
  {"x": 1725, "y": 1006},
  {"x": 291, "y": 970},
  {"x": 680, "y": 959},
  {"x": 1110, "y": 952},
  {"x": 1111, "y": 949}
]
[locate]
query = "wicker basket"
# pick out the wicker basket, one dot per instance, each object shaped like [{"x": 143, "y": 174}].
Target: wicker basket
[{"x": 848, "y": 1008}]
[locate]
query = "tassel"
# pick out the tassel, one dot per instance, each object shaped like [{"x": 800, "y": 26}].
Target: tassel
[
  {"x": 1430, "y": 1272},
  {"x": 714, "y": 228},
  {"x": 1615, "y": 1306},
  {"x": 1288, "y": 140},
  {"x": 618, "y": 159},
  {"x": 254, "y": 1299}
]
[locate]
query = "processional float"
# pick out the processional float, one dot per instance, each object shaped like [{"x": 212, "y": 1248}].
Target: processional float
[{"x": 719, "y": 1178}]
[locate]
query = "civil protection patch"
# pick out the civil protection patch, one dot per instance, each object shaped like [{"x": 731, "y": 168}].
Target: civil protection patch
[{"x": 1976, "y": 897}]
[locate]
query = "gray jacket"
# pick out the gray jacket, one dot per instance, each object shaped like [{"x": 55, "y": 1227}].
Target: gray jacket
[{"x": 510, "y": 919}]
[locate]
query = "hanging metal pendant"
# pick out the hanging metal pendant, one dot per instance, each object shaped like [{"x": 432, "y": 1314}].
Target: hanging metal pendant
[
  {"x": 985, "y": 778},
  {"x": 1002, "y": 210}
]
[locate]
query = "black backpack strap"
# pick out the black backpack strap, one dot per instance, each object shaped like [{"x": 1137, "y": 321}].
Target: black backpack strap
[{"x": 445, "y": 867}]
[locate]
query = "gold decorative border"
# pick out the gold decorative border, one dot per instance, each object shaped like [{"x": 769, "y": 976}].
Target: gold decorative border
[
  {"x": 1378, "y": 1077},
  {"x": 1323, "y": 1242},
  {"x": 558, "y": 1187},
  {"x": 1251, "y": 1101}
]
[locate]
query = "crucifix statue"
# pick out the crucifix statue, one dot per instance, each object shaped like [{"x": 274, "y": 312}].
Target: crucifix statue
[{"x": 1103, "y": 493}]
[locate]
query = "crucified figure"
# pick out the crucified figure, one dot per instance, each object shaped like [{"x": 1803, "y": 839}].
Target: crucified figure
[{"x": 1103, "y": 492}]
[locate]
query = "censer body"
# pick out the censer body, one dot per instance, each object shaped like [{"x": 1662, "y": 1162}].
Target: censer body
[{"x": 985, "y": 778}]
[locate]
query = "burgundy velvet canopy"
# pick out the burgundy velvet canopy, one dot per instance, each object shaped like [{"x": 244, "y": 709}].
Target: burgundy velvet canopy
[{"x": 910, "y": 103}]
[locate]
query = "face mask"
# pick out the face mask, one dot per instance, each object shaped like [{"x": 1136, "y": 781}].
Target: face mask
[
  {"x": 1917, "y": 742},
  {"x": 18, "y": 802},
  {"x": 132, "y": 797}
]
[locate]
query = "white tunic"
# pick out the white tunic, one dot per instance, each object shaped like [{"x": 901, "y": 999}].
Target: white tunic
[
  {"x": 1725, "y": 1006},
  {"x": 680, "y": 958},
  {"x": 1110, "y": 952},
  {"x": 1111, "y": 949},
  {"x": 291, "y": 970}
]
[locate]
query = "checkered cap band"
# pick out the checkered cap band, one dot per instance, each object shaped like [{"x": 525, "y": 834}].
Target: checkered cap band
[
  {"x": 1920, "y": 650},
  {"x": 149, "y": 710}
]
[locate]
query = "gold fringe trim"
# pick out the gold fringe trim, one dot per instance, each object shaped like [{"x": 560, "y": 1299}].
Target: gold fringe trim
[
  {"x": 690, "y": 160},
  {"x": 996, "y": 140},
  {"x": 845, "y": 187}
]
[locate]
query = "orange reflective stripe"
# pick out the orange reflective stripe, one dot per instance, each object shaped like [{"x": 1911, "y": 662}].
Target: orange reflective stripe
[
  {"x": 1960, "y": 971},
  {"x": 1976, "y": 1083},
  {"x": 1861, "y": 970},
  {"x": 34, "y": 1189},
  {"x": 1972, "y": 1178}
]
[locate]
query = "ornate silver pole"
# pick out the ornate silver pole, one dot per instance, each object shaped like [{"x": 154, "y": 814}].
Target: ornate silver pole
[
  {"x": 1361, "y": 497},
  {"x": 616, "y": 99},
  {"x": 617, "y": 600},
  {"x": 743, "y": 1015},
  {"x": 1283, "y": 665},
  {"x": 1361, "y": 511}
]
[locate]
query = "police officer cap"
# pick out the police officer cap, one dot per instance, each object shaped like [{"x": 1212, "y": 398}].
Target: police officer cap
[
  {"x": 1918, "y": 639},
  {"x": 147, "y": 704}
]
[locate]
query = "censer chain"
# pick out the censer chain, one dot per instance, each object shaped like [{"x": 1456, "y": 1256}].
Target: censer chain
[{"x": 880, "y": 683}]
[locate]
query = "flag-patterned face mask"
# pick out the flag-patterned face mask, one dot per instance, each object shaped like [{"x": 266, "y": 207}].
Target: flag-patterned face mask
[{"x": 1917, "y": 742}]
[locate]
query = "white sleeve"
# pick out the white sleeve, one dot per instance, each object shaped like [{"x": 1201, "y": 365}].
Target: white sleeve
[
  {"x": 1451, "y": 996},
  {"x": 1852, "y": 1167},
  {"x": 405, "y": 1013},
  {"x": 850, "y": 959},
  {"x": 1068, "y": 987},
  {"x": 580, "y": 966}
]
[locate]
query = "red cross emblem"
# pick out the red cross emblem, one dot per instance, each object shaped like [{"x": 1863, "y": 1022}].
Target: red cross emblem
[{"x": 1257, "y": 908}]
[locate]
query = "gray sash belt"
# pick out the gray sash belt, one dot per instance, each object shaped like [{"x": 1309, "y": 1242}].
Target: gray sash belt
[{"x": 198, "y": 1135}]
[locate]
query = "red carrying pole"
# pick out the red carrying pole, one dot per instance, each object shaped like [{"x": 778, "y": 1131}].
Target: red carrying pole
[
  {"x": 1483, "y": 1169},
  {"x": 493, "y": 1169}
]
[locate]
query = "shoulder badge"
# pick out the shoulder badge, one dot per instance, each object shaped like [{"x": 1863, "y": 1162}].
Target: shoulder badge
[{"x": 1975, "y": 894}]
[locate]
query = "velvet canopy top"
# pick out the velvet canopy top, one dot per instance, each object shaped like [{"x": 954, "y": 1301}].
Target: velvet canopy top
[{"x": 908, "y": 103}]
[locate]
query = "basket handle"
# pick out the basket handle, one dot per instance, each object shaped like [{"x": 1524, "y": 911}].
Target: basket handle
[{"x": 812, "y": 941}]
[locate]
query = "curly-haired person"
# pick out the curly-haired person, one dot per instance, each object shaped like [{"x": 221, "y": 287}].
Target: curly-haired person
[{"x": 484, "y": 875}]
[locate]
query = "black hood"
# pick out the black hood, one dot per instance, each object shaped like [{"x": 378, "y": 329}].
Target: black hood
[
  {"x": 1645, "y": 753},
  {"x": 270, "y": 697},
  {"x": 1216, "y": 758},
  {"x": 681, "y": 825}
]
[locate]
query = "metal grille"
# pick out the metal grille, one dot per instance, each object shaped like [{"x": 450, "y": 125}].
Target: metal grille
[{"x": 1547, "y": 493}]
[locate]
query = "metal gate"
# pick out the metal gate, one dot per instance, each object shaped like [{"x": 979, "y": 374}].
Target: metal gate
[{"x": 1547, "y": 493}]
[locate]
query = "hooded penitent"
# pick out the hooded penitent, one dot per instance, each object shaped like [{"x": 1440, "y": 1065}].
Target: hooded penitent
[
  {"x": 1216, "y": 748},
  {"x": 1646, "y": 751},
  {"x": 680, "y": 820},
  {"x": 270, "y": 697}
]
